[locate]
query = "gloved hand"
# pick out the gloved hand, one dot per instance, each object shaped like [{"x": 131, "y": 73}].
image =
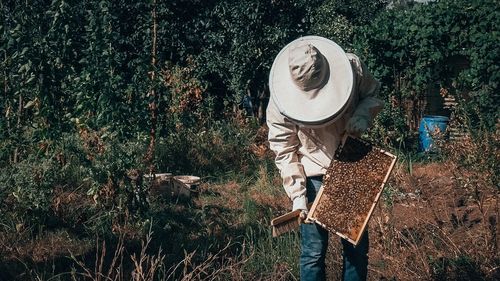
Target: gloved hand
[
  {"x": 300, "y": 203},
  {"x": 357, "y": 125},
  {"x": 303, "y": 215}
]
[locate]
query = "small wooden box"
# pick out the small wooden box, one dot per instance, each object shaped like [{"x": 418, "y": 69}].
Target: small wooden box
[
  {"x": 185, "y": 186},
  {"x": 351, "y": 188}
]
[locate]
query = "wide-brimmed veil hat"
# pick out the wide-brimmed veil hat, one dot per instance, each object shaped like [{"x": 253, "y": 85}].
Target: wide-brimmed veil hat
[{"x": 311, "y": 81}]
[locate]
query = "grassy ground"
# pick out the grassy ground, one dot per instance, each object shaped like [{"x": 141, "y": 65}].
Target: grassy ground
[{"x": 436, "y": 221}]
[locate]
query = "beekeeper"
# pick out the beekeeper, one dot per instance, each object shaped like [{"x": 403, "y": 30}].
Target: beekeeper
[{"x": 318, "y": 93}]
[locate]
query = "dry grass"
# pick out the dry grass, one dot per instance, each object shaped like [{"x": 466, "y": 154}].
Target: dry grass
[
  {"x": 113, "y": 267},
  {"x": 218, "y": 266},
  {"x": 435, "y": 230},
  {"x": 438, "y": 222}
]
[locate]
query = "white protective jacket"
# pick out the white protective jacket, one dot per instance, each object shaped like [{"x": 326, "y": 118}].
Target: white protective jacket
[{"x": 302, "y": 152}]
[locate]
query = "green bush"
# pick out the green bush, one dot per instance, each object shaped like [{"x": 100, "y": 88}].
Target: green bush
[
  {"x": 338, "y": 20},
  {"x": 446, "y": 43},
  {"x": 91, "y": 167},
  {"x": 215, "y": 150},
  {"x": 27, "y": 191}
]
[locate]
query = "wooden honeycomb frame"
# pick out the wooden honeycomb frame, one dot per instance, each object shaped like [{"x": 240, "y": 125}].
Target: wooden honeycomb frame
[{"x": 353, "y": 154}]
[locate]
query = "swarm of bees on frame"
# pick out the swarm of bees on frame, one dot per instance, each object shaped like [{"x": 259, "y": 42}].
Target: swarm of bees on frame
[{"x": 351, "y": 185}]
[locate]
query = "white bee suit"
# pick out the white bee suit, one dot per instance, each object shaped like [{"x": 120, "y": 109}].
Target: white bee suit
[{"x": 304, "y": 151}]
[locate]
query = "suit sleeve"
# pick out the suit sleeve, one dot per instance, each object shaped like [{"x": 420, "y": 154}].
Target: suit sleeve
[
  {"x": 284, "y": 142},
  {"x": 369, "y": 104}
]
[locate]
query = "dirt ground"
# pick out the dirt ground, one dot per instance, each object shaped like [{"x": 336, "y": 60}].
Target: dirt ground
[{"x": 431, "y": 224}]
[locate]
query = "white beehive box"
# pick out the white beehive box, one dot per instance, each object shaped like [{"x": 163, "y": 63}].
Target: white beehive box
[{"x": 185, "y": 186}]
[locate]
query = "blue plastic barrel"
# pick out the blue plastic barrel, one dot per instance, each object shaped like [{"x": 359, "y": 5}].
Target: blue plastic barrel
[{"x": 431, "y": 126}]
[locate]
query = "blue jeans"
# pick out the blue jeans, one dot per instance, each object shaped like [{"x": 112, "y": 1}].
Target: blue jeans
[{"x": 314, "y": 242}]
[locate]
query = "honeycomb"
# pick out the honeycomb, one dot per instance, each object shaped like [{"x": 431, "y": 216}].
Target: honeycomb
[{"x": 351, "y": 188}]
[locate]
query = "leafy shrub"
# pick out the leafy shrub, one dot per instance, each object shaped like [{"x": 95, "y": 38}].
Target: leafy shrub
[
  {"x": 214, "y": 150},
  {"x": 445, "y": 43},
  {"x": 338, "y": 20},
  {"x": 194, "y": 137},
  {"x": 27, "y": 191}
]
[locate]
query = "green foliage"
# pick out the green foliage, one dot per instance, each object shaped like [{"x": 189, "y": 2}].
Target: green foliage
[
  {"x": 339, "y": 19},
  {"x": 76, "y": 97},
  {"x": 193, "y": 139},
  {"x": 111, "y": 86},
  {"x": 240, "y": 40},
  {"x": 28, "y": 188},
  {"x": 41, "y": 190},
  {"x": 90, "y": 62},
  {"x": 358, "y": 12},
  {"x": 447, "y": 43},
  {"x": 212, "y": 150}
]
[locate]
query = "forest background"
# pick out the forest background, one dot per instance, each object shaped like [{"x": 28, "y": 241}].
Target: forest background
[{"x": 96, "y": 95}]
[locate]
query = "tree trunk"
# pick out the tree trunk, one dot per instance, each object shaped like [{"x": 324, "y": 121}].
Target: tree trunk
[{"x": 153, "y": 95}]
